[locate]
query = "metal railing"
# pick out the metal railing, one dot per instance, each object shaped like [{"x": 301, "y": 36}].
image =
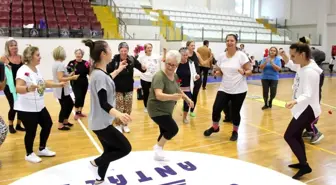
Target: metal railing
[
  {"x": 122, "y": 26},
  {"x": 282, "y": 27}
]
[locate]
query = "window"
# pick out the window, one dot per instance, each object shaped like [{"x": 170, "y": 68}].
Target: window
[
  {"x": 239, "y": 6},
  {"x": 247, "y": 7},
  {"x": 243, "y": 7}
]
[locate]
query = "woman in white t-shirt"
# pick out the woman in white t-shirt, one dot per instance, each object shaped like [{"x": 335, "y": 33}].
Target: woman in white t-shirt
[
  {"x": 60, "y": 74},
  {"x": 153, "y": 65},
  {"x": 305, "y": 106},
  {"x": 30, "y": 105},
  {"x": 234, "y": 66}
]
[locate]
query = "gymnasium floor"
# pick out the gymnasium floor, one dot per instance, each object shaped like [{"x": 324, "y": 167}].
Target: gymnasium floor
[{"x": 260, "y": 136}]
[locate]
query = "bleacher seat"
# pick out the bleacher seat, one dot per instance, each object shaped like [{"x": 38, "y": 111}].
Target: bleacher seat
[
  {"x": 58, "y": 14},
  {"x": 195, "y": 20}
]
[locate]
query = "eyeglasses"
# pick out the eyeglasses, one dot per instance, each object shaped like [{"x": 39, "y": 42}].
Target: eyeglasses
[{"x": 171, "y": 65}]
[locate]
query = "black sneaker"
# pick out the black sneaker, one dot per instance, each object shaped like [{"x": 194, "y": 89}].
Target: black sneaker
[
  {"x": 210, "y": 131},
  {"x": 270, "y": 104},
  {"x": 234, "y": 136},
  {"x": 303, "y": 170},
  {"x": 264, "y": 107},
  {"x": 19, "y": 128},
  {"x": 11, "y": 129}
]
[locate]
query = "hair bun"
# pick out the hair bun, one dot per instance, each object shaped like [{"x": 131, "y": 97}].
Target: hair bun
[{"x": 89, "y": 43}]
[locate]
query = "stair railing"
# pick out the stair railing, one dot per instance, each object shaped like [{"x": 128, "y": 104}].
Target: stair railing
[{"x": 122, "y": 26}]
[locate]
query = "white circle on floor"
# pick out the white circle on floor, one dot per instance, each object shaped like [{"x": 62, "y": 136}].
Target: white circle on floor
[{"x": 140, "y": 168}]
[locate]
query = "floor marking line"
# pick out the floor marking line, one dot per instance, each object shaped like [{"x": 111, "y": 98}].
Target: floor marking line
[
  {"x": 85, "y": 129},
  {"x": 223, "y": 142},
  {"x": 281, "y": 135},
  {"x": 13, "y": 179},
  {"x": 314, "y": 179}
]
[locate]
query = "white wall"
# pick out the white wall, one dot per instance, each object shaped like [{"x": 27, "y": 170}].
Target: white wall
[
  {"x": 303, "y": 12},
  {"x": 217, "y": 48},
  {"x": 275, "y": 8},
  {"x": 333, "y": 7},
  {"x": 46, "y": 47},
  {"x": 331, "y": 38},
  {"x": 143, "y": 32},
  {"x": 222, "y": 4}
]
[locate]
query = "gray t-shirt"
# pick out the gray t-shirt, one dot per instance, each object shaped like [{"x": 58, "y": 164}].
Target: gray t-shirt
[
  {"x": 98, "y": 118},
  {"x": 60, "y": 67}
]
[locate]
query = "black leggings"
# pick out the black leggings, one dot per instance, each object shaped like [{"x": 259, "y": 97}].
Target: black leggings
[
  {"x": 145, "y": 89},
  {"x": 293, "y": 134},
  {"x": 204, "y": 72},
  {"x": 269, "y": 85},
  {"x": 66, "y": 107},
  {"x": 80, "y": 87},
  {"x": 198, "y": 84},
  {"x": 185, "y": 104},
  {"x": 167, "y": 125},
  {"x": 222, "y": 102},
  {"x": 30, "y": 121},
  {"x": 10, "y": 99},
  {"x": 115, "y": 146},
  {"x": 228, "y": 112}
]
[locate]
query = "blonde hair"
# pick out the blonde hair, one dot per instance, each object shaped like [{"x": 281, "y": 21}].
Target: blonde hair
[
  {"x": 28, "y": 54},
  {"x": 146, "y": 45},
  {"x": 9, "y": 42},
  {"x": 59, "y": 54}
]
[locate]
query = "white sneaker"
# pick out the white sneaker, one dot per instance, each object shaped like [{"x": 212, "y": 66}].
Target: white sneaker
[
  {"x": 33, "y": 158},
  {"x": 118, "y": 127},
  {"x": 158, "y": 153},
  {"x": 126, "y": 129},
  {"x": 185, "y": 121},
  {"x": 94, "y": 170},
  {"x": 145, "y": 110},
  {"x": 46, "y": 153}
]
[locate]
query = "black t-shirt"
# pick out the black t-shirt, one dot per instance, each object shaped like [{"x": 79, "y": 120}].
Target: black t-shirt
[
  {"x": 183, "y": 72},
  {"x": 124, "y": 80}
]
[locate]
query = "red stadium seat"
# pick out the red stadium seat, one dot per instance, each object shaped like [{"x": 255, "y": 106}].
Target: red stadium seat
[
  {"x": 63, "y": 24},
  {"x": 72, "y": 18},
  {"x": 4, "y": 23},
  {"x": 16, "y": 17},
  {"x": 96, "y": 26},
  {"x": 16, "y": 24},
  {"x": 5, "y": 8},
  {"x": 5, "y": 3},
  {"x": 58, "y": 5},
  {"x": 59, "y": 10},
  {"x": 80, "y": 12},
  {"x": 77, "y": 5},
  {"x": 61, "y": 18},
  {"x": 38, "y": 3},
  {"x": 75, "y": 26},
  {"x": 17, "y": 2},
  {"x": 67, "y": 5},
  {"x": 4, "y": 15},
  {"x": 52, "y": 25},
  {"x": 51, "y": 18}
]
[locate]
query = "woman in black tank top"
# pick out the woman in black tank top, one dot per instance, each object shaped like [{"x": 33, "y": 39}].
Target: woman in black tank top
[
  {"x": 194, "y": 56},
  {"x": 13, "y": 60}
]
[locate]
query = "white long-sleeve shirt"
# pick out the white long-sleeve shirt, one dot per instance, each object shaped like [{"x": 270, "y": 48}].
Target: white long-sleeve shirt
[
  {"x": 153, "y": 65},
  {"x": 306, "y": 89}
]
